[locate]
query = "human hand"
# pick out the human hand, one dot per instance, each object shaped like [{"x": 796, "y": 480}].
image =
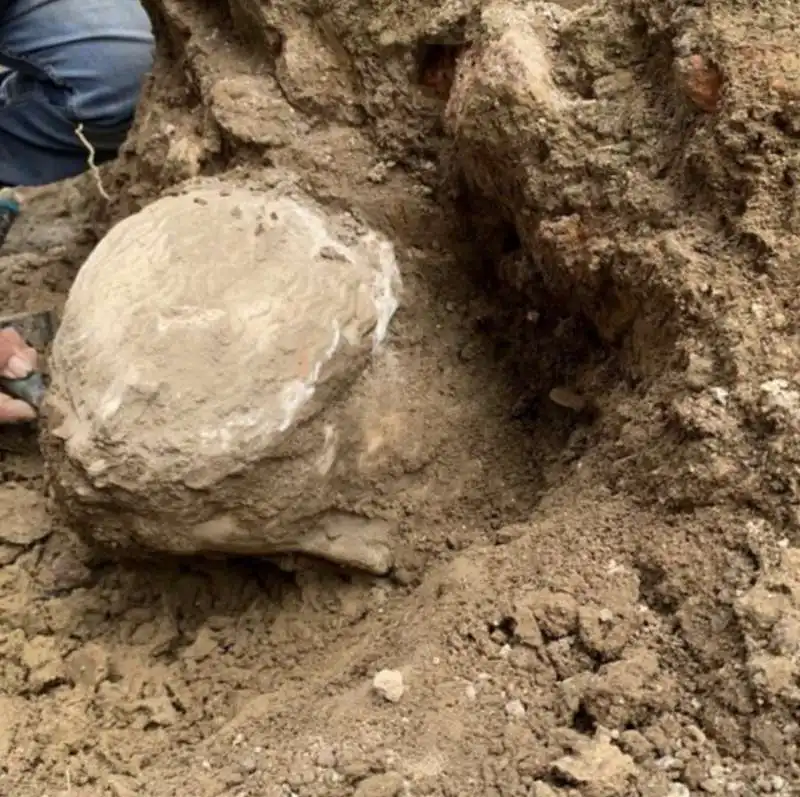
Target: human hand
[{"x": 17, "y": 361}]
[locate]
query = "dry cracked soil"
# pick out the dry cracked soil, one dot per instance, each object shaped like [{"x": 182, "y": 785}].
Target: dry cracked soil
[{"x": 597, "y": 215}]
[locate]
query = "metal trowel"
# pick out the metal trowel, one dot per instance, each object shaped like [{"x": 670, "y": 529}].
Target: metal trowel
[{"x": 38, "y": 329}]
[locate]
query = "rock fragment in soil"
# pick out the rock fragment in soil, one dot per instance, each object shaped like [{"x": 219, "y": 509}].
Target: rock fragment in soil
[
  {"x": 700, "y": 81},
  {"x": 556, "y": 612},
  {"x": 88, "y": 666},
  {"x": 389, "y": 685},
  {"x": 210, "y": 383},
  {"x": 770, "y": 616},
  {"x": 629, "y": 692},
  {"x": 23, "y": 516},
  {"x": 204, "y": 645},
  {"x": 536, "y": 153},
  {"x": 388, "y": 784},
  {"x": 120, "y": 786},
  {"x": 598, "y": 768},
  {"x": 515, "y": 709},
  {"x": 568, "y": 398},
  {"x": 42, "y": 659}
]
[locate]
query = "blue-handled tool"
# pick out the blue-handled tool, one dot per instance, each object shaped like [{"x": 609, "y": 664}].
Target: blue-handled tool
[{"x": 9, "y": 211}]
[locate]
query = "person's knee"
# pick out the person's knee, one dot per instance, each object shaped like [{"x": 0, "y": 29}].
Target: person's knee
[
  {"x": 111, "y": 94},
  {"x": 107, "y": 94},
  {"x": 97, "y": 52},
  {"x": 94, "y": 53},
  {"x": 75, "y": 64}
]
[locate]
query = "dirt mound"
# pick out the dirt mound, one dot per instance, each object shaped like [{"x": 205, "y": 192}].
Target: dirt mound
[{"x": 595, "y": 213}]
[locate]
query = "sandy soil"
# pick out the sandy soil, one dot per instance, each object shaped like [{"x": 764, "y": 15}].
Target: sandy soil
[{"x": 607, "y": 602}]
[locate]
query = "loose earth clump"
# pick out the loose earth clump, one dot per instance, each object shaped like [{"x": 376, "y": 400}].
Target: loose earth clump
[{"x": 594, "y": 584}]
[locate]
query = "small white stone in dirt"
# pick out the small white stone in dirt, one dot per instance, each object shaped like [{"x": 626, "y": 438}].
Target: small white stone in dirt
[
  {"x": 605, "y": 616},
  {"x": 389, "y": 685},
  {"x": 514, "y": 708},
  {"x": 471, "y": 692},
  {"x": 679, "y": 790},
  {"x": 778, "y": 783},
  {"x": 734, "y": 787},
  {"x": 763, "y": 784},
  {"x": 248, "y": 764},
  {"x": 719, "y": 394}
]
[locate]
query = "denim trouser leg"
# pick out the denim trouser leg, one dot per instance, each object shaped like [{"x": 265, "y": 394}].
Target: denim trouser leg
[{"x": 71, "y": 62}]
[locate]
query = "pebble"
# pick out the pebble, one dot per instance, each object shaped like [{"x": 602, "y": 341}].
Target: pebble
[
  {"x": 119, "y": 787},
  {"x": 764, "y": 784},
  {"x": 701, "y": 82},
  {"x": 389, "y": 685},
  {"x": 635, "y": 744},
  {"x": 565, "y": 397},
  {"x": 719, "y": 394},
  {"x": 514, "y": 708},
  {"x": 699, "y": 372},
  {"x": 204, "y": 645},
  {"x": 248, "y": 765},
  {"x": 389, "y": 784}
]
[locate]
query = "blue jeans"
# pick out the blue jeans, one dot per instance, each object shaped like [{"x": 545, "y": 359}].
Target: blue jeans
[{"x": 71, "y": 63}]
